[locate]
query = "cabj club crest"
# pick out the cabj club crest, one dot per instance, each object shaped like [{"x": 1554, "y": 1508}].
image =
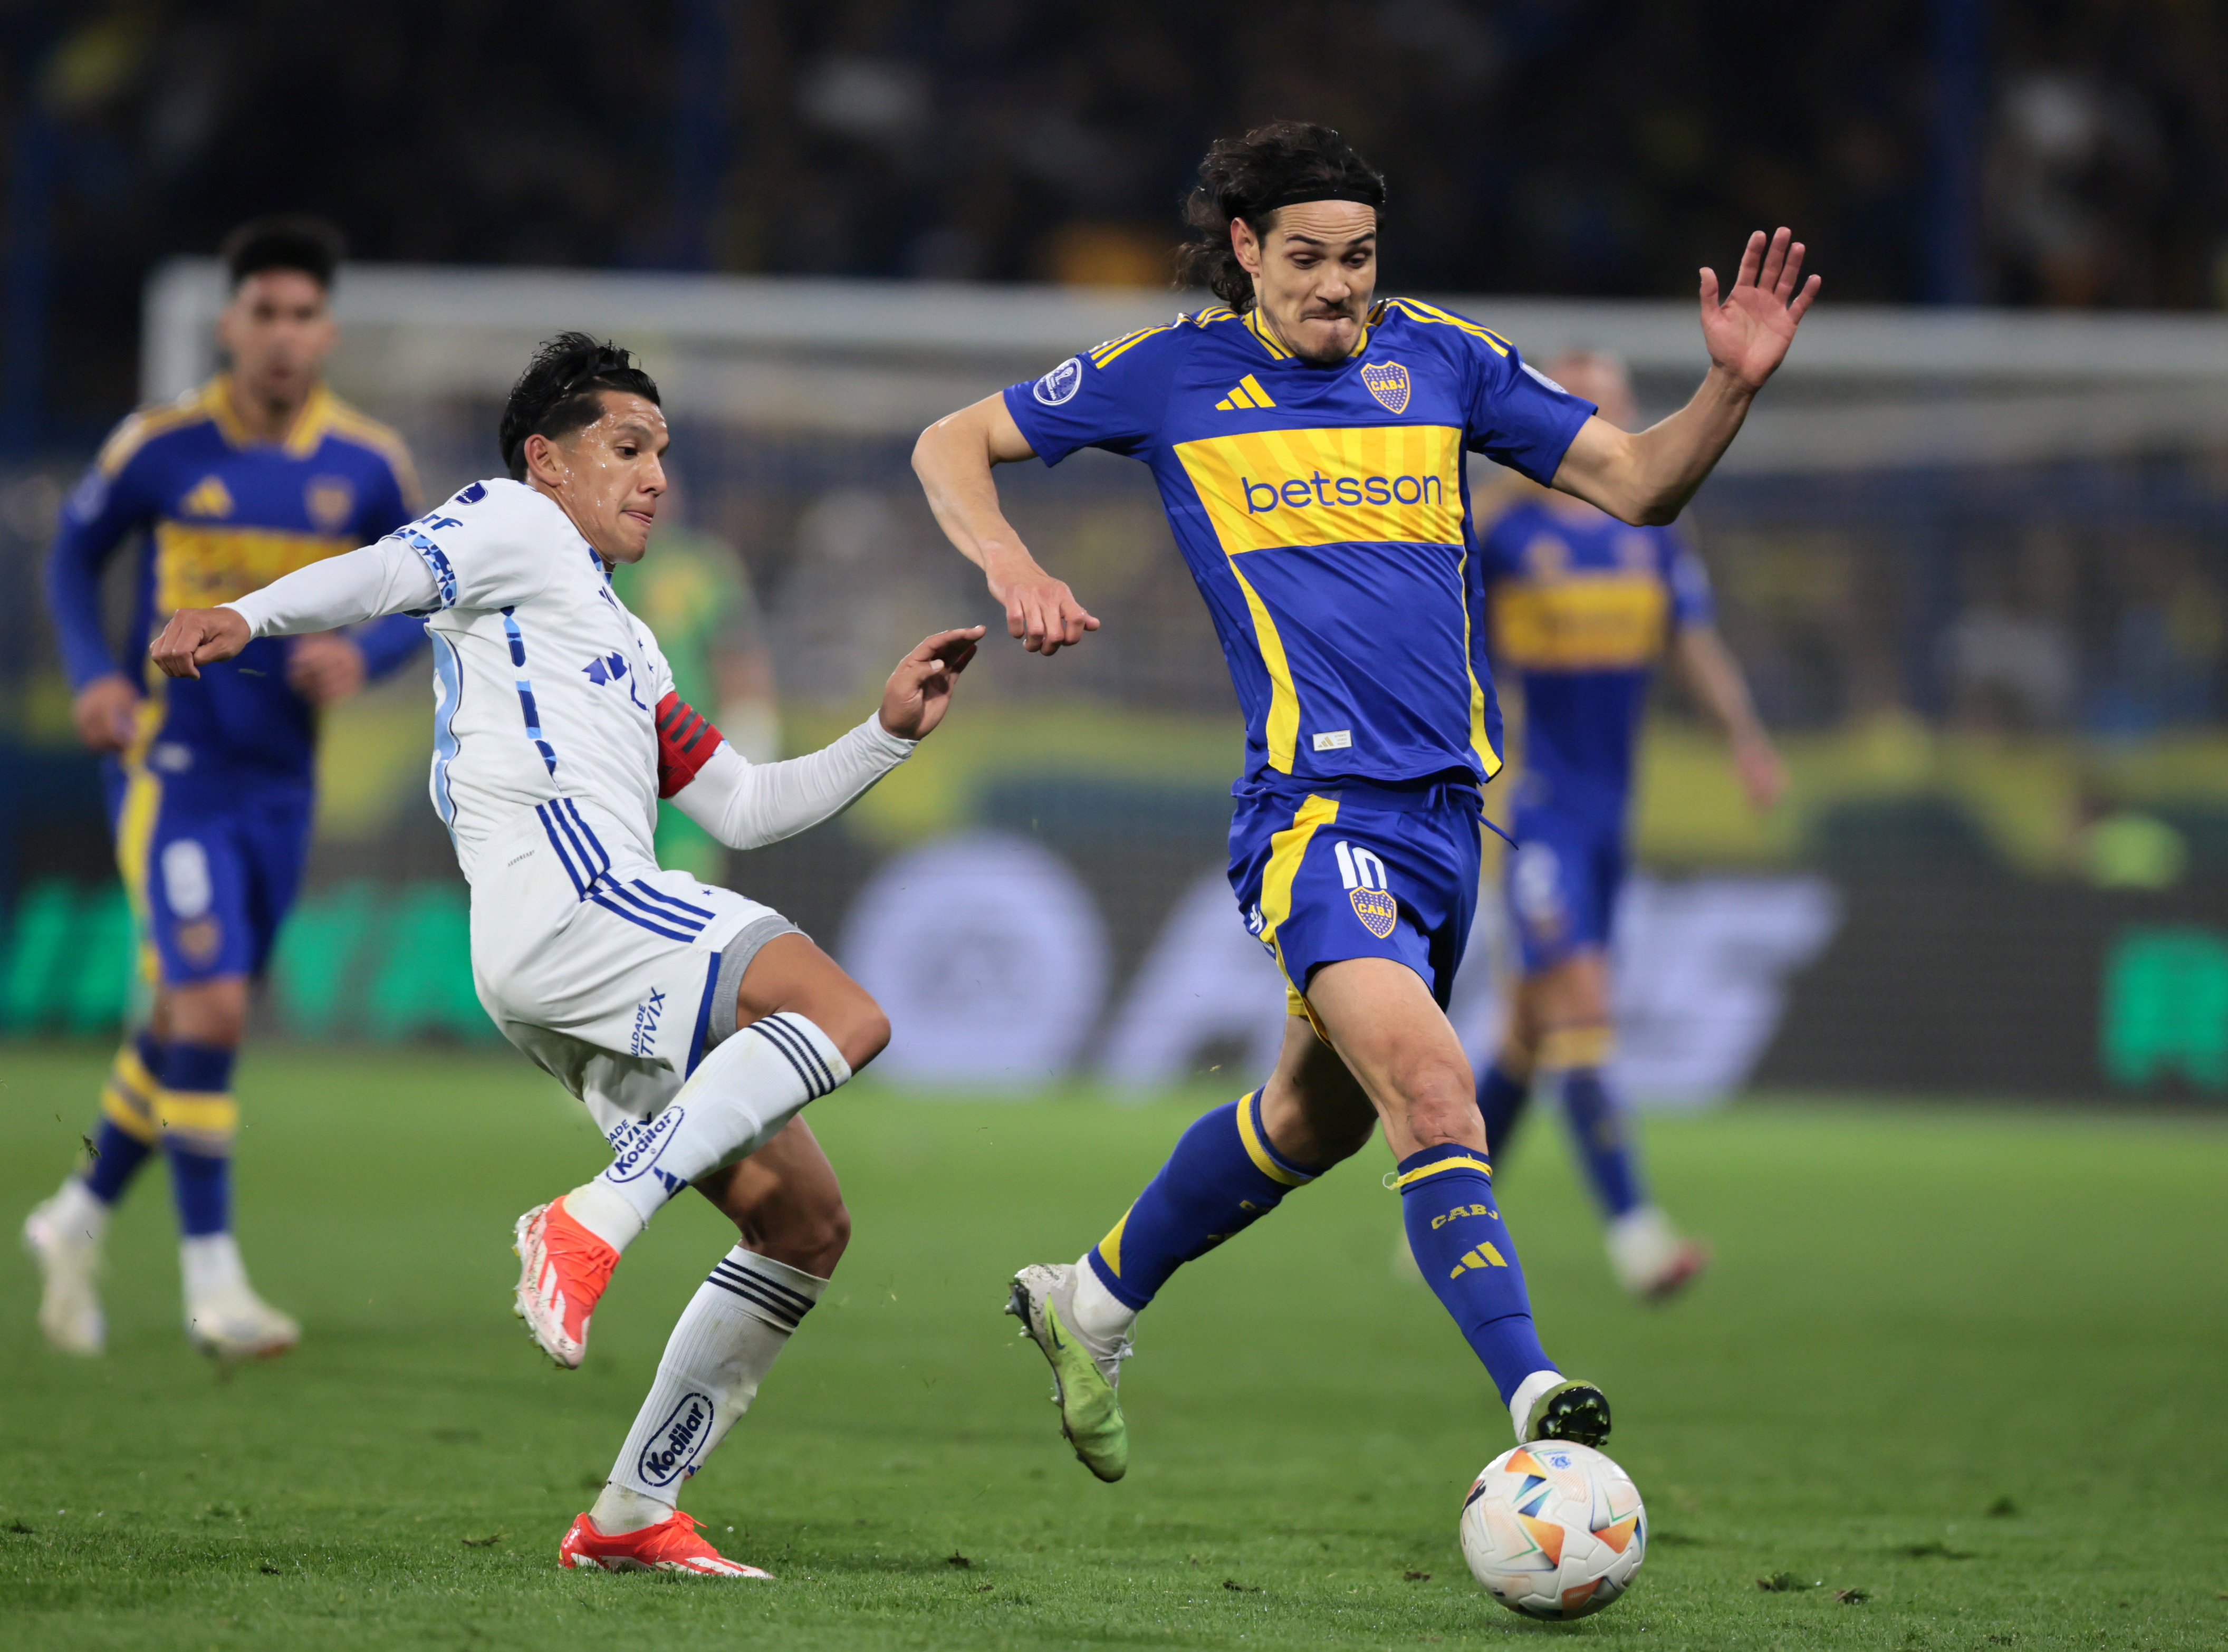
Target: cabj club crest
[
  {"x": 1376, "y": 909},
  {"x": 1388, "y": 382}
]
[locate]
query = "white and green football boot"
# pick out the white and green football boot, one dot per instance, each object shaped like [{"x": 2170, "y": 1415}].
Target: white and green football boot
[
  {"x": 1548, "y": 1406},
  {"x": 1086, "y": 1371}
]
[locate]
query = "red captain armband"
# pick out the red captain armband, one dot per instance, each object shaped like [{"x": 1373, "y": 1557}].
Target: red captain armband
[{"x": 685, "y": 743}]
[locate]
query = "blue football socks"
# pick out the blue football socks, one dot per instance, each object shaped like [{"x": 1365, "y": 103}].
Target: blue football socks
[
  {"x": 1598, "y": 1130},
  {"x": 1457, "y": 1237},
  {"x": 199, "y": 1118},
  {"x": 1222, "y": 1178},
  {"x": 1501, "y": 1101},
  {"x": 125, "y": 1136}
]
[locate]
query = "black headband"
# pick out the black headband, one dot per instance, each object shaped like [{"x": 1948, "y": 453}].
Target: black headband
[{"x": 1301, "y": 194}]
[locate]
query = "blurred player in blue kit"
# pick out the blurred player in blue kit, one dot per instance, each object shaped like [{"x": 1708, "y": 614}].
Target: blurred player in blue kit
[
  {"x": 1582, "y": 607},
  {"x": 1307, "y": 440},
  {"x": 258, "y": 472}
]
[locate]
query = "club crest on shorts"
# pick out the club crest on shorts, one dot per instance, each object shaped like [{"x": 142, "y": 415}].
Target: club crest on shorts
[
  {"x": 1388, "y": 382},
  {"x": 1376, "y": 909}
]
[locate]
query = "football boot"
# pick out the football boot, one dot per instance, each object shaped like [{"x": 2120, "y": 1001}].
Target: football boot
[{"x": 1086, "y": 1372}]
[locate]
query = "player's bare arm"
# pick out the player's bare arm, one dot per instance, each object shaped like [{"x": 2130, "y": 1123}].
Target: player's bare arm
[
  {"x": 1647, "y": 476},
  {"x": 953, "y": 459},
  {"x": 1715, "y": 679}
]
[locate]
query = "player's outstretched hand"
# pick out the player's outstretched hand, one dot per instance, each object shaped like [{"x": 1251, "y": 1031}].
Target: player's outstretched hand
[
  {"x": 920, "y": 690},
  {"x": 1749, "y": 331},
  {"x": 197, "y": 637},
  {"x": 1763, "y": 775},
  {"x": 324, "y": 666},
  {"x": 1042, "y": 612},
  {"x": 106, "y": 711}
]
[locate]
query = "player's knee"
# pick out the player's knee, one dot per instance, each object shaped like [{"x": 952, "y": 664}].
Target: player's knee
[
  {"x": 1441, "y": 1104},
  {"x": 865, "y": 1033},
  {"x": 213, "y": 1014}
]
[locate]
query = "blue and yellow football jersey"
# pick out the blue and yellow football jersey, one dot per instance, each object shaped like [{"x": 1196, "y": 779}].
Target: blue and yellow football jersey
[
  {"x": 1582, "y": 608},
  {"x": 225, "y": 516},
  {"x": 1324, "y": 514}
]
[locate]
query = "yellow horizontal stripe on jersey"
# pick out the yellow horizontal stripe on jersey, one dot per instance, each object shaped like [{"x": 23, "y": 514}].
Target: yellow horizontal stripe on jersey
[
  {"x": 1581, "y": 622},
  {"x": 1283, "y": 731},
  {"x": 1369, "y": 482},
  {"x": 199, "y": 567}
]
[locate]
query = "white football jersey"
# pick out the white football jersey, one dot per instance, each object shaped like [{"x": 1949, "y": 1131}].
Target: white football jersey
[{"x": 544, "y": 685}]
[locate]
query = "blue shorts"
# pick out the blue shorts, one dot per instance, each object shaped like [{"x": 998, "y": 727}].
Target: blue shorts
[
  {"x": 212, "y": 864},
  {"x": 1356, "y": 871},
  {"x": 1562, "y": 880}
]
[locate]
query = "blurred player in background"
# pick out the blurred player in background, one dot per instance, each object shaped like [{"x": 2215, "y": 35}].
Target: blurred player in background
[
  {"x": 694, "y": 1023},
  {"x": 1582, "y": 606},
  {"x": 260, "y": 472},
  {"x": 695, "y": 597},
  {"x": 1308, "y": 440}
]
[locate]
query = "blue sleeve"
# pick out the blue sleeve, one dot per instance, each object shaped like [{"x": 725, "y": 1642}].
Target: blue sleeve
[
  {"x": 1517, "y": 415},
  {"x": 99, "y": 514},
  {"x": 388, "y": 644},
  {"x": 1113, "y": 397},
  {"x": 1692, "y": 603}
]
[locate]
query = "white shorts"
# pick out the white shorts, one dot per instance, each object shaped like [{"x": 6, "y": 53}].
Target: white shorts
[{"x": 613, "y": 976}]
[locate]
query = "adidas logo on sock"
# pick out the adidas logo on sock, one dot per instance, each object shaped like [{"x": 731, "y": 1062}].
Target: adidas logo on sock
[{"x": 1484, "y": 1256}]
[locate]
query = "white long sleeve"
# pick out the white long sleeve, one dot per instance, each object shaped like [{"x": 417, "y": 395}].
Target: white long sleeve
[
  {"x": 748, "y": 805},
  {"x": 387, "y": 578}
]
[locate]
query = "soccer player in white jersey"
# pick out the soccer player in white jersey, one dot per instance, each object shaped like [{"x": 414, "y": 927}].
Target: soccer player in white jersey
[{"x": 695, "y": 1024}]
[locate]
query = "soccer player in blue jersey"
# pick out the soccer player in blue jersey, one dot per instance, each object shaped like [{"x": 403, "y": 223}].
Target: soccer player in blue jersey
[
  {"x": 260, "y": 472},
  {"x": 1308, "y": 440},
  {"x": 1581, "y": 605}
]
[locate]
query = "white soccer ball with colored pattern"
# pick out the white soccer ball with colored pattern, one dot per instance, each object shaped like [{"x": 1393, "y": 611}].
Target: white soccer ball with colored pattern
[{"x": 1554, "y": 1531}]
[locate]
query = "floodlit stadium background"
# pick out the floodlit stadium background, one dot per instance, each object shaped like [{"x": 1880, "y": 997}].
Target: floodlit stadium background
[{"x": 1973, "y": 550}]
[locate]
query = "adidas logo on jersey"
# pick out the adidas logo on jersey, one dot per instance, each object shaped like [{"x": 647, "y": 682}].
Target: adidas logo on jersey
[
  {"x": 1246, "y": 393},
  {"x": 209, "y": 497}
]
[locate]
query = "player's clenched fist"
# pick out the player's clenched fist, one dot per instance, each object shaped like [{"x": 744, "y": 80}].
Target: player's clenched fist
[
  {"x": 198, "y": 637},
  {"x": 920, "y": 690}
]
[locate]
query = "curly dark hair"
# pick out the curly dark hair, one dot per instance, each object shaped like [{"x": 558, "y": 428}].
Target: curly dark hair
[
  {"x": 556, "y": 394},
  {"x": 288, "y": 241},
  {"x": 1251, "y": 177}
]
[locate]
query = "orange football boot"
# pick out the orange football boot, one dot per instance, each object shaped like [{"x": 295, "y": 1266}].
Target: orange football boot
[
  {"x": 563, "y": 1269},
  {"x": 670, "y": 1545}
]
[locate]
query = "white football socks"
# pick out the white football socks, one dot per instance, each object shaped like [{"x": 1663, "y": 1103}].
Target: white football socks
[
  {"x": 1099, "y": 1314},
  {"x": 76, "y": 1212},
  {"x": 211, "y": 1266},
  {"x": 739, "y": 1098},
  {"x": 738, "y": 1322}
]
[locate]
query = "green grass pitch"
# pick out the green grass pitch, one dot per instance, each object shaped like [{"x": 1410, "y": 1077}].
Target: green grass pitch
[{"x": 1971, "y": 1363}]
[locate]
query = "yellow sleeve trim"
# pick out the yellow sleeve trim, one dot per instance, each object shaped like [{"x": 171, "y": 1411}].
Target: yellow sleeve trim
[
  {"x": 367, "y": 432},
  {"x": 142, "y": 427},
  {"x": 1106, "y": 353},
  {"x": 1418, "y": 311},
  {"x": 1427, "y": 1171}
]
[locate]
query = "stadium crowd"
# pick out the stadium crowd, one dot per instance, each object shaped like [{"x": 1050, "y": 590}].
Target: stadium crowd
[{"x": 1571, "y": 146}]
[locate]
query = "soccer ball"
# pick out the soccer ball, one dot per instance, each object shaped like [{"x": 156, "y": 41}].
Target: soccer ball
[{"x": 1554, "y": 1530}]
